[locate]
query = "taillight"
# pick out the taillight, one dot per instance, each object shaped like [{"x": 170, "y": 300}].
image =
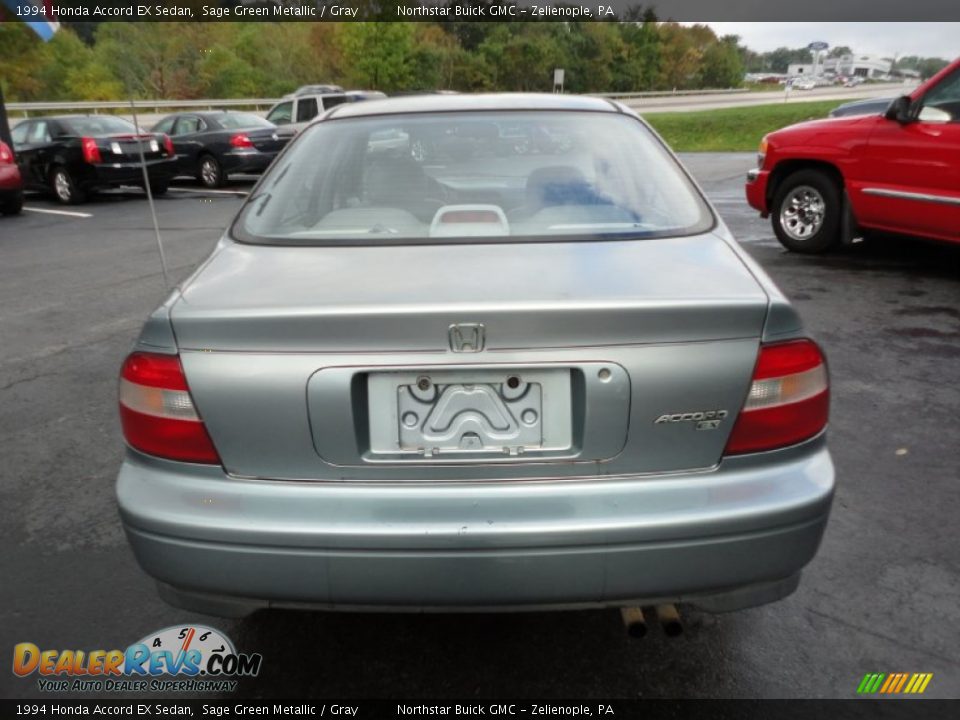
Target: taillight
[
  {"x": 91, "y": 153},
  {"x": 6, "y": 155},
  {"x": 168, "y": 144},
  {"x": 789, "y": 399},
  {"x": 241, "y": 141},
  {"x": 157, "y": 412}
]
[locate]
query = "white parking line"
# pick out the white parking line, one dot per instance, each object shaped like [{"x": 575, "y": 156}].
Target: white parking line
[
  {"x": 68, "y": 213},
  {"x": 219, "y": 192}
]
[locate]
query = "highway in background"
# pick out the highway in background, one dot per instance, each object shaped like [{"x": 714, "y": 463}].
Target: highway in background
[
  {"x": 689, "y": 103},
  {"x": 680, "y": 102}
]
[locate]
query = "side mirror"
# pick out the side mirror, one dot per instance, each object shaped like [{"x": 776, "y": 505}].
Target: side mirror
[
  {"x": 899, "y": 110},
  {"x": 930, "y": 114}
]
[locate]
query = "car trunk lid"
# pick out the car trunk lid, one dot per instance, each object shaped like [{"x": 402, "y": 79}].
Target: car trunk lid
[
  {"x": 304, "y": 362},
  {"x": 265, "y": 140},
  {"x": 126, "y": 147}
]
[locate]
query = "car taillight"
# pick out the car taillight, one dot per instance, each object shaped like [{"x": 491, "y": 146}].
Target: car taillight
[
  {"x": 789, "y": 399},
  {"x": 168, "y": 144},
  {"x": 91, "y": 153},
  {"x": 6, "y": 155},
  {"x": 241, "y": 141},
  {"x": 157, "y": 412}
]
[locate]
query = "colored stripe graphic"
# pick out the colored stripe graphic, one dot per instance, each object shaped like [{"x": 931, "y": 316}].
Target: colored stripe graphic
[{"x": 894, "y": 683}]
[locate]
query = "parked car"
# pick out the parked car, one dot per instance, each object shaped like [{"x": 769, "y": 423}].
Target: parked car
[
  {"x": 523, "y": 381},
  {"x": 212, "y": 145},
  {"x": 295, "y": 112},
  {"x": 872, "y": 106},
  {"x": 74, "y": 155},
  {"x": 823, "y": 182},
  {"x": 801, "y": 84},
  {"x": 11, "y": 184}
]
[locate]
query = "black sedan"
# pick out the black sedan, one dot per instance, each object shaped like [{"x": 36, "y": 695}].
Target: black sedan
[
  {"x": 74, "y": 155},
  {"x": 212, "y": 145}
]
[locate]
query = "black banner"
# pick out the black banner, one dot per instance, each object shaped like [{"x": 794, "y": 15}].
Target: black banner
[
  {"x": 472, "y": 708},
  {"x": 487, "y": 10}
]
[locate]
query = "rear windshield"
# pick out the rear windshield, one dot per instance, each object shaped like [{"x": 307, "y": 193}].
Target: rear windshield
[
  {"x": 99, "y": 125},
  {"x": 451, "y": 177},
  {"x": 238, "y": 121}
]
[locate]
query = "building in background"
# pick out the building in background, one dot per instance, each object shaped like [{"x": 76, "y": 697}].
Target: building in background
[{"x": 869, "y": 67}]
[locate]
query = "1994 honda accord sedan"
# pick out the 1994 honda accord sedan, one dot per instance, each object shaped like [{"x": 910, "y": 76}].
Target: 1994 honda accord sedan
[{"x": 484, "y": 377}]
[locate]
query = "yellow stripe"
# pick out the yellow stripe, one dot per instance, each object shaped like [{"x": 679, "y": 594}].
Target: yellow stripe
[
  {"x": 903, "y": 679},
  {"x": 913, "y": 681},
  {"x": 920, "y": 678},
  {"x": 926, "y": 681}
]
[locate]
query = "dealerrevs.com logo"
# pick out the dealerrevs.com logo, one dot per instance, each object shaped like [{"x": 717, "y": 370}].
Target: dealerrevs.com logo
[{"x": 187, "y": 658}]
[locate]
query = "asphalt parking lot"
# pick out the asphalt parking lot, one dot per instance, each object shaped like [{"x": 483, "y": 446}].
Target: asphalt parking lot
[{"x": 882, "y": 595}]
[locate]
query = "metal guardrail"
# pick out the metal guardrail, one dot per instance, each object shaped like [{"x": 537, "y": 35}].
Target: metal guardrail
[
  {"x": 667, "y": 93},
  {"x": 26, "y": 108}
]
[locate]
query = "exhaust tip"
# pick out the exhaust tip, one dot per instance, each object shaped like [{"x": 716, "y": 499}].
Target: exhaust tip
[
  {"x": 634, "y": 622},
  {"x": 669, "y": 619}
]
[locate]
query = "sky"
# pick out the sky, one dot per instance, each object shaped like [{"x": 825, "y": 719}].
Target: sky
[{"x": 873, "y": 38}]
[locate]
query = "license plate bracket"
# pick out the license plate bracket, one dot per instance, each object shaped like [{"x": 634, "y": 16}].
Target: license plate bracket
[{"x": 433, "y": 414}]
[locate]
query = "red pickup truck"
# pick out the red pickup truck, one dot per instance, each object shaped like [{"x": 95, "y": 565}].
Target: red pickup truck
[{"x": 822, "y": 182}]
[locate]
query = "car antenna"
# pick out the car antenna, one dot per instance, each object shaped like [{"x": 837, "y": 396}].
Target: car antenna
[{"x": 146, "y": 186}]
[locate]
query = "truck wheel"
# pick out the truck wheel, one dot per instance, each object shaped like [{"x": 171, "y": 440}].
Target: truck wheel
[
  {"x": 806, "y": 212},
  {"x": 64, "y": 188}
]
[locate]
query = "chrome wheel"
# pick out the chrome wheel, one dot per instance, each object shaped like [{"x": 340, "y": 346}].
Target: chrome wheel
[
  {"x": 62, "y": 186},
  {"x": 802, "y": 212},
  {"x": 210, "y": 172}
]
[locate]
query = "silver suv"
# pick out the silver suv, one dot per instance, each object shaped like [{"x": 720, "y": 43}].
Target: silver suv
[{"x": 295, "y": 111}]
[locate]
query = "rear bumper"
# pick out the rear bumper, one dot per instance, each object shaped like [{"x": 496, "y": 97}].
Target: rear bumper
[
  {"x": 729, "y": 538},
  {"x": 113, "y": 174},
  {"x": 756, "y": 190},
  {"x": 247, "y": 161},
  {"x": 10, "y": 180}
]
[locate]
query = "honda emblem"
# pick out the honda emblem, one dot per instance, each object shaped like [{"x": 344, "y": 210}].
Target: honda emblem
[{"x": 467, "y": 337}]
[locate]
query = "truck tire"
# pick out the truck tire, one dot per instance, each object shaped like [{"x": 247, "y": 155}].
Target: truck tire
[{"x": 806, "y": 210}]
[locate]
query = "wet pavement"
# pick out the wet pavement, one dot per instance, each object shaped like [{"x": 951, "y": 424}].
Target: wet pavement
[{"x": 881, "y": 596}]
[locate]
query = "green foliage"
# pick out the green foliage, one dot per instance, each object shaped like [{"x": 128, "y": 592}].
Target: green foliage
[
  {"x": 378, "y": 55},
  {"x": 88, "y": 61},
  {"x": 927, "y": 67},
  {"x": 732, "y": 129}
]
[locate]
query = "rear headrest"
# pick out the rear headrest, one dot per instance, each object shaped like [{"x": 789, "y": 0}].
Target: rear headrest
[{"x": 558, "y": 185}]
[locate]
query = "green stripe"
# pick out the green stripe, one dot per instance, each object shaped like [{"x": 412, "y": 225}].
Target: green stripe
[
  {"x": 879, "y": 681},
  {"x": 861, "y": 688}
]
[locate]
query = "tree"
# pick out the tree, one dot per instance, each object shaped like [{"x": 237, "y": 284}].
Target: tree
[
  {"x": 721, "y": 66},
  {"x": 779, "y": 60},
  {"x": 21, "y": 53},
  {"x": 927, "y": 67},
  {"x": 378, "y": 55}
]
